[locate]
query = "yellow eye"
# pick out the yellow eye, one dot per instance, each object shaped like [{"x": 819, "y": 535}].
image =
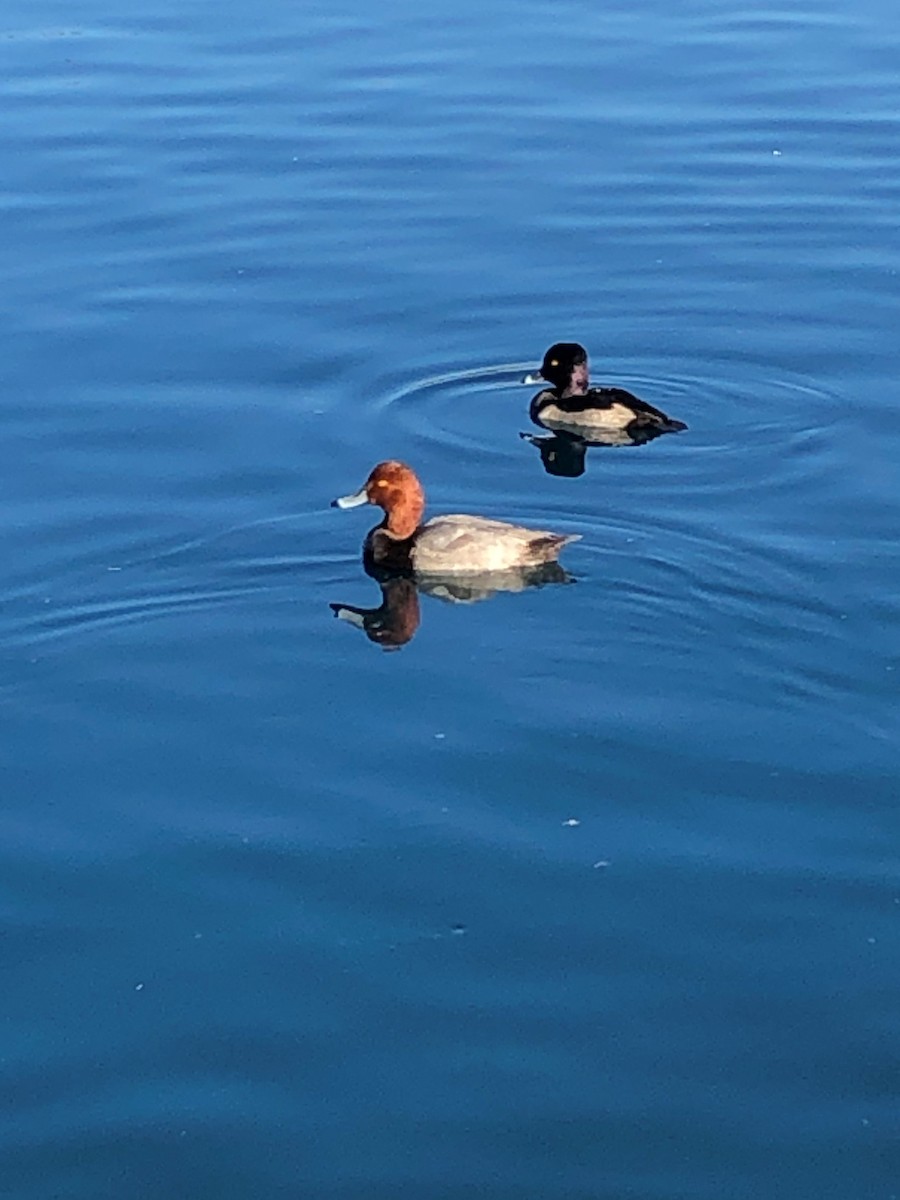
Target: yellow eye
[
  {"x": 381, "y": 483},
  {"x": 554, "y": 362}
]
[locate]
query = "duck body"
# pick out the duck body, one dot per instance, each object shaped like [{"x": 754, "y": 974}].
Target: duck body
[
  {"x": 456, "y": 544},
  {"x": 610, "y": 415},
  {"x": 474, "y": 545},
  {"x": 601, "y": 412}
]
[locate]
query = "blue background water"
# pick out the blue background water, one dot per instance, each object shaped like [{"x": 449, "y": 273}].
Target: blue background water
[{"x": 283, "y": 914}]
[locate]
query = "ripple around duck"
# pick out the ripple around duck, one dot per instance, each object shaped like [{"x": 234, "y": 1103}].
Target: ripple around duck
[
  {"x": 197, "y": 575},
  {"x": 82, "y": 617},
  {"x": 674, "y": 527},
  {"x": 786, "y": 420},
  {"x": 444, "y": 410}
]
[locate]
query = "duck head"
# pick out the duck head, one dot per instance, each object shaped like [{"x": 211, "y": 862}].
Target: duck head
[
  {"x": 394, "y": 487},
  {"x": 566, "y": 367}
]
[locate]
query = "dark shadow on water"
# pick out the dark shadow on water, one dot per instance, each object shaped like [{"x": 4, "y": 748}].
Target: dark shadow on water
[{"x": 396, "y": 619}]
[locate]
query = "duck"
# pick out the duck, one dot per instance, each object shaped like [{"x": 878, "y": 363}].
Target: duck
[
  {"x": 593, "y": 412},
  {"x": 455, "y": 544}
]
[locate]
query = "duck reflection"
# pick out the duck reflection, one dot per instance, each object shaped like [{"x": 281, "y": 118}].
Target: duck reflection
[
  {"x": 564, "y": 452},
  {"x": 395, "y": 621},
  {"x": 561, "y": 453}
]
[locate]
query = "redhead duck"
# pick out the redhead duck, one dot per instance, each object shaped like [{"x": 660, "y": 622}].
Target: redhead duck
[
  {"x": 594, "y": 412},
  {"x": 454, "y": 544}
]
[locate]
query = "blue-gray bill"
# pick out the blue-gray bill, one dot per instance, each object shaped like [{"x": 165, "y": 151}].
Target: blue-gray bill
[{"x": 352, "y": 501}]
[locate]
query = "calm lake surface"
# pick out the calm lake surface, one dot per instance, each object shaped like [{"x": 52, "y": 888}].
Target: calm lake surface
[{"x": 588, "y": 892}]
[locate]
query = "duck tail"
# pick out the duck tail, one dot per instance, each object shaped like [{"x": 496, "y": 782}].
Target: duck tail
[
  {"x": 670, "y": 425},
  {"x": 546, "y": 547}
]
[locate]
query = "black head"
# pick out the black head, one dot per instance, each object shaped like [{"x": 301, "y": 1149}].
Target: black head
[{"x": 560, "y": 363}]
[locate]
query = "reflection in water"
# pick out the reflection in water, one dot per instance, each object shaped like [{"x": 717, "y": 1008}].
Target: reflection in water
[
  {"x": 561, "y": 453},
  {"x": 468, "y": 589},
  {"x": 394, "y": 622},
  {"x": 564, "y": 451}
]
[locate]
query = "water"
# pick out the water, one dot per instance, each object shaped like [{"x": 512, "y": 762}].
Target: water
[{"x": 589, "y": 890}]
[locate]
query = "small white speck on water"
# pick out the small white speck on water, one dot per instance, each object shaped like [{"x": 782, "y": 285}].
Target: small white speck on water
[
  {"x": 439, "y": 737},
  {"x": 114, "y": 568},
  {"x": 601, "y": 862},
  {"x": 138, "y": 987},
  {"x": 197, "y": 937},
  {"x": 872, "y": 941},
  {"x": 572, "y": 822},
  {"x": 776, "y": 154}
]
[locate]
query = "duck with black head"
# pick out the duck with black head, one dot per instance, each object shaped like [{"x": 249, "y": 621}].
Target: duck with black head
[{"x": 600, "y": 415}]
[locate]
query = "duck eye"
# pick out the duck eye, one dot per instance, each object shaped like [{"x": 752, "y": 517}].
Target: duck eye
[
  {"x": 554, "y": 362},
  {"x": 381, "y": 483}
]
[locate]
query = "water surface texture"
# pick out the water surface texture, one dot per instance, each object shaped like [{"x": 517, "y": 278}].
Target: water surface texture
[{"x": 587, "y": 891}]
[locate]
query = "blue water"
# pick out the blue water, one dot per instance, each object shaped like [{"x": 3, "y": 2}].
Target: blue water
[{"x": 586, "y": 892}]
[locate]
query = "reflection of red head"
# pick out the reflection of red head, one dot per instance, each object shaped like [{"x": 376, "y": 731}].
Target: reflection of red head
[
  {"x": 398, "y": 617},
  {"x": 395, "y": 622}
]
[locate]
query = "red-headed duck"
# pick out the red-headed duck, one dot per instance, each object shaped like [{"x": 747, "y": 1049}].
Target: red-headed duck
[
  {"x": 593, "y": 412},
  {"x": 455, "y": 544}
]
